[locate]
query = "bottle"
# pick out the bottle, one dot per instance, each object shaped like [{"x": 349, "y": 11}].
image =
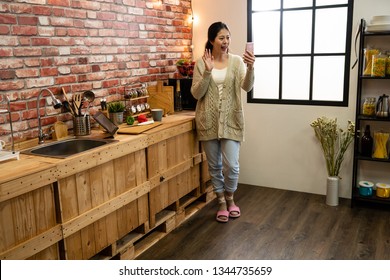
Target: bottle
[
  {"x": 178, "y": 106},
  {"x": 366, "y": 143}
]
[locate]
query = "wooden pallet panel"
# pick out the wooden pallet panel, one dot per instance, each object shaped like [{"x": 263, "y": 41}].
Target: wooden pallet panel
[
  {"x": 107, "y": 202},
  {"x": 33, "y": 227}
]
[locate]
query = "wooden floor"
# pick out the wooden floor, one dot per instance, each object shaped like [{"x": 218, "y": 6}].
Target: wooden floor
[{"x": 279, "y": 225}]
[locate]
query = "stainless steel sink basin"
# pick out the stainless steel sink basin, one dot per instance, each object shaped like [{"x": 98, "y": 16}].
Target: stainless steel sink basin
[{"x": 66, "y": 148}]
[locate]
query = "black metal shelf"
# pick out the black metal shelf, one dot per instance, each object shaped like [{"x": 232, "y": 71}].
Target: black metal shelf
[
  {"x": 373, "y": 118},
  {"x": 360, "y": 157},
  {"x": 371, "y": 201},
  {"x": 374, "y": 78}
]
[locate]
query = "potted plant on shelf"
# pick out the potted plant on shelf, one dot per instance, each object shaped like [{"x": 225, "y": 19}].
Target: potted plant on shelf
[
  {"x": 334, "y": 143},
  {"x": 185, "y": 67},
  {"x": 115, "y": 112}
]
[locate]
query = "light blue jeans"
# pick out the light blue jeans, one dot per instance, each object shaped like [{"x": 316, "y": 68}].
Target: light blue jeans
[{"x": 223, "y": 161}]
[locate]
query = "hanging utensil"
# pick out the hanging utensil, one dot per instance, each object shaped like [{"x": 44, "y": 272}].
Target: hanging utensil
[
  {"x": 69, "y": 106},
  {"x": 88, "y": 96}
]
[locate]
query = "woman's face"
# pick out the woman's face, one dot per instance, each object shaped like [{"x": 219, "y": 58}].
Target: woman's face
[{"x": 222, "y": 41}]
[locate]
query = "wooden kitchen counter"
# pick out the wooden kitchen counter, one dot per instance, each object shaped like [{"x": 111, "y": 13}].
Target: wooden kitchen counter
[{"x": 75, "y": 207}]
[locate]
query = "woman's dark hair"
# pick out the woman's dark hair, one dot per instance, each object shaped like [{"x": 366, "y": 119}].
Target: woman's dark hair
[{"x": 213, "y": 32}]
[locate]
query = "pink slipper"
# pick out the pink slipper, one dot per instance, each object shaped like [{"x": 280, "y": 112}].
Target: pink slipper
[
  {"x": 222, "y": 216},
  {"x": 234, "y": 211}
]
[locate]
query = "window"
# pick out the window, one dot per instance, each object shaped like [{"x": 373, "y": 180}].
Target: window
[{"x": 302, "y": 50}]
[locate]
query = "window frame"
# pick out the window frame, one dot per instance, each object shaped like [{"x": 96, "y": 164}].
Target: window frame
[{"x": 347, "y": 56}]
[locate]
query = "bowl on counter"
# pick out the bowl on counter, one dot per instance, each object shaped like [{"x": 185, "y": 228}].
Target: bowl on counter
[
  {"x": 383, "y": 190},
  {"x": 366, "y": 188}
]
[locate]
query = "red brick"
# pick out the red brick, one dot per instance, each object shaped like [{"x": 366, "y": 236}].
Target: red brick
[
  {"x": 61, "y": 21},
  {"x": 49, "y": 72},
  {"x": 87, "y": 5},
  {"x": 65, "y": 80},
  {"x": 39, "y": 82},
  {"x": 95, "y": 68},
  {"x": 24, "y": 20},
  {"x": 7, "y": 74},
  {"x": 24, "y": 41},
  {"x": 75, "y": 13},
  {"x": 77, "y": 32},
  {"x": 96, "y": 76},
  {"x": 50, "y": 51},
  {"x": 24, "y": 30},
  {"x": 11, "y": 85},
  {"x": 12, "y": 63},
  {"x": 109, "y": 84},
  {"x": 31, "y": 62},
  {"x": 63, "y": 41},
  {"x": 106, "y": 16},
  {"x": 7, "y": 19},
  {"x": 5, "y": 52},
  {"x": 40, "y": 41},
  {"x": 64, "y": 3},
  {"x": 24, "y": 8},
  {"x": 4, "y": 30},
  {"x": 27, "y": 51},
  {"x": 41, "y": 10},
  {"x": 27, "y": 73},
  {"x": 80, "y": 69}
]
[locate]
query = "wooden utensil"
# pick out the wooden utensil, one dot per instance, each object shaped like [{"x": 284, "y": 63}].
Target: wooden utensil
[
  {"x": 70, "y": 105},
  {"x": 77, "y": 99}
]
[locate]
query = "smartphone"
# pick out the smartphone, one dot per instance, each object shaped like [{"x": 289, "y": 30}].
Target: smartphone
[{"x": 249, "y": 47}]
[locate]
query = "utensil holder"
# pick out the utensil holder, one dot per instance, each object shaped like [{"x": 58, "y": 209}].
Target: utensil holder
[{"x": 81, "y": 125}]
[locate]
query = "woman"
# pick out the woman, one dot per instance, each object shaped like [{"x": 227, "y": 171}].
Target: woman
[{"x": 217, "y": 82}]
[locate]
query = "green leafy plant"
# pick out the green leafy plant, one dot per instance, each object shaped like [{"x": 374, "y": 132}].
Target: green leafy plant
[
  {"x": 334, "y": 142},
  {"x": 116, "y": 107}
]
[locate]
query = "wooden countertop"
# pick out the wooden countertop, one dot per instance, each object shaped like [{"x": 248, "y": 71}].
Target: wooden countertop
[{"x": 30, "y": 171}]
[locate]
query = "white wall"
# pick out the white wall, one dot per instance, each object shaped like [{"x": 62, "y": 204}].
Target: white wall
[{"x": 280, "y": 150}]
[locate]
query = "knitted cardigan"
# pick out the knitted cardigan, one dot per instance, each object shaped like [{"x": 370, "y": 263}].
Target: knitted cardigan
[{"x": 228, "y": 121}]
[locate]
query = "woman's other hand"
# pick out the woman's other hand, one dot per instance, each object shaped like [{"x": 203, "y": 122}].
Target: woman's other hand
[{"x": 208, "y": 60}]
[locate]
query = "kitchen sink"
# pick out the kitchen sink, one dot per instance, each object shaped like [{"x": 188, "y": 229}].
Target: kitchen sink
[{"x": 66, "y": 148}]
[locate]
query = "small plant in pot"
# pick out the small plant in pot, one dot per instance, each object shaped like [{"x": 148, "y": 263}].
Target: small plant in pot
[{"x": 115, "y": 111}]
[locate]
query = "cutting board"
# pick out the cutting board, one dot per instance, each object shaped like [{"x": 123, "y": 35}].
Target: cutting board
[
  {"x": 161, "y": 97},
  {"x": 136, "y": 129},
  {"x": 60, "y": 130}
]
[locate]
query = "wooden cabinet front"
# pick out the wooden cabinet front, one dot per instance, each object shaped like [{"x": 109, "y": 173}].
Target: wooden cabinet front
[
  {"x": 102, "y": 204},
  {"x": 106, "y": 203},
  {"x": 171, "y": 167}
]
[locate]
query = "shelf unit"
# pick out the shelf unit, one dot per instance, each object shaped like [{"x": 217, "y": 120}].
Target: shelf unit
[
  {"x": 368, "y": 168},
  {"x": 140, "y": 99}
]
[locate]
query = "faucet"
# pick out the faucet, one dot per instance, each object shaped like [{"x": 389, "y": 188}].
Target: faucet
[{"x": 56, "y": 104}]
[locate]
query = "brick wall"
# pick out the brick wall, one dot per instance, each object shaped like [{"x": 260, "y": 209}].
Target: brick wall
[{"x": 99, "y": 45}]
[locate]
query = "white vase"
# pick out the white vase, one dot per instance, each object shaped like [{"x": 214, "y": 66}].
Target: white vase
[{"x": 332, "y": 190}]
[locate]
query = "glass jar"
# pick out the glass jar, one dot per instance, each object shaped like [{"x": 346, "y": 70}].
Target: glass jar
[
  {"x": 380, "y": 145},
  {"x": 378, "y": 65},
  {"x": 368, "y": 54},
  {"x": 369, "y": 106}
]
